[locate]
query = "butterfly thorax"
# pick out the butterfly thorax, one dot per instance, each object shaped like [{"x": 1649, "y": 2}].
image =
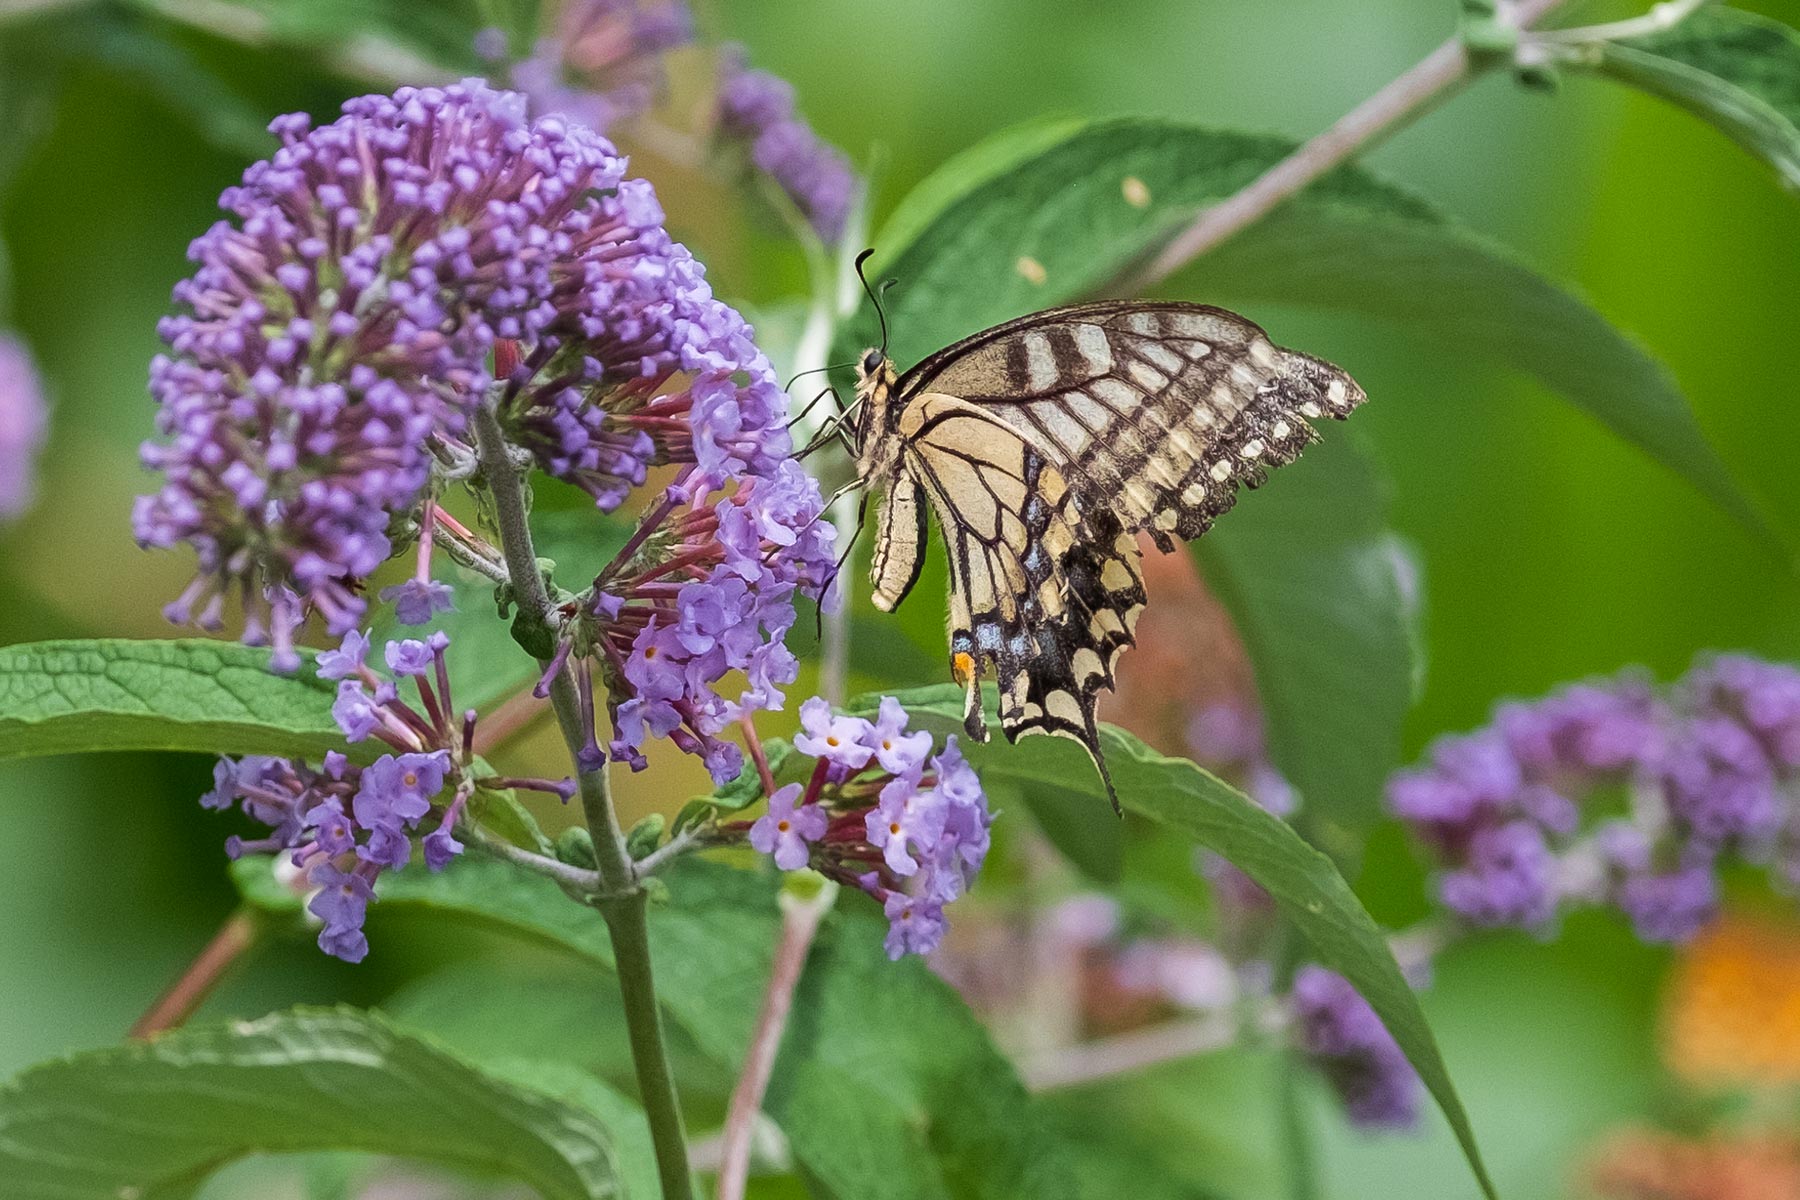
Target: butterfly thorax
[{"x": 878, "y": 451}]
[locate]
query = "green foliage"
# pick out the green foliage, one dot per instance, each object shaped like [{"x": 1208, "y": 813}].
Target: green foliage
[
  {"x": 188, "y": 694},
  {"x": 1734, "y": 69},
  {"x": 887, "y": 1086},
  {"x": 383, "y": 37},
  {"x": 1182, "y": 798},
  {"x": 1057, "y": 195},
  {"x": 154, "y": 1119}
]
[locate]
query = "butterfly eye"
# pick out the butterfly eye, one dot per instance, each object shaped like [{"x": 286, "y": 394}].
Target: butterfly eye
[{"x": 872, "y": 361}]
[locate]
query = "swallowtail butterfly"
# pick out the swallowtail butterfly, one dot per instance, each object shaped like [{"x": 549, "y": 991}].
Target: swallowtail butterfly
[{"x": 1045, "y": 446}]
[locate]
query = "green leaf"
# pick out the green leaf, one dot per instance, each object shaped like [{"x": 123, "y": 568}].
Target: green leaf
[
  {"x": 1091, "y": 838},
  {"x": 190, "y": 694},
  {"x": 1735, "y": 70},
  {"x": 150, "y": 1120},
  {"x": 887, "y": 1086},
  {"x": 1305, "y": 885},
  {"x": 133, "y": 50},
  {"x": 1085, "y": 206},
  {"x": 1311, "y": 579}
]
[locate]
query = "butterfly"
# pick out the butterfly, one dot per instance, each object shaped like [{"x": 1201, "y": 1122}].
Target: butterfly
[{"x": 1044, "y": 447}]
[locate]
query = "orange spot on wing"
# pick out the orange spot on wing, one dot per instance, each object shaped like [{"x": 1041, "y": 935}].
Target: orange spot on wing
[{"x": 962, "y": 666}]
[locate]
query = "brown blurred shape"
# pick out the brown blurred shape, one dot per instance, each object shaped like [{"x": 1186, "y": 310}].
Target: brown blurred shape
[
  {"x": 1188, "y": 656},
  {"x": 1645, "y": 1165}
]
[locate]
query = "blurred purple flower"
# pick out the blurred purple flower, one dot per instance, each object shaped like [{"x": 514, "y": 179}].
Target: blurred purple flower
[
  {"x": 1336, "y": 1028},
  {"x": 1707, "y": 765},
  {"x": 604, "y": 63},
  {"x": 23, "y": 424},
  {"x": 756, "y": 110}
]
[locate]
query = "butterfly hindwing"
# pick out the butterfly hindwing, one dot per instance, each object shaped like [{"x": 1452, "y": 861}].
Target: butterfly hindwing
[
  {"x": 1162, "y": 409},
  {"x": 1033, "y": 601}
]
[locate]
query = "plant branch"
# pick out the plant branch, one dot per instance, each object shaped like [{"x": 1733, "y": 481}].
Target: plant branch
[
  {"x": 620, "y": 901},
  {"x": 1664, "y": 16},
  {"x": 1431, "y": 80},
  {"x": 235, "y": 938},
  {"x": 800, "y": 917},
  {"x": 685, "y": 842},
  {"x": 1088, "y": 1062},
  {"x": 574, "y": 879}
]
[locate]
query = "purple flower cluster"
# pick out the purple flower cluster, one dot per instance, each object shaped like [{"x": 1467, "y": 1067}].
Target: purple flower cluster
[
  {"x": 756, "y": 111},
  {"x": 882, "y": 813},
  {"x": 714, "y": 601},
  {"x": 1701, "y": 770},
  {"x": 604, "y": 63},
  {"x": 339, "y": 331},
  {"x": 344, "y": 823},
  {"x": 22, "y": 426},
  {"x": 1335, "y": 1027}
]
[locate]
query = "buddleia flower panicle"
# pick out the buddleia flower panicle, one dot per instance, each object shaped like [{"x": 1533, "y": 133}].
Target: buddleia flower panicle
[
  {"x": 604, "y": 62},
  {"x": 1703, "y": 771},
  {"x": 23, "y": 424},
  {"x": 1344, "y": 1038},
  {"x": 881, "y": 812},
  {"x": 343, "y": 823},
  {"x": 757, "y": 116},
  {"x": 374, "y": 277},
  {"x": 709, "y": 600}
]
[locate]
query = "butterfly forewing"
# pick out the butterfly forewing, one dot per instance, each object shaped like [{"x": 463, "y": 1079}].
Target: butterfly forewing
[
  {"x": 1044, "y": 445},
  {"x": 1160, "y": 410}
]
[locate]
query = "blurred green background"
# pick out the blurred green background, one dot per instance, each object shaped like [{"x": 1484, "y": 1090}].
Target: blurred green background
[{"x": 1551, "y": 550}]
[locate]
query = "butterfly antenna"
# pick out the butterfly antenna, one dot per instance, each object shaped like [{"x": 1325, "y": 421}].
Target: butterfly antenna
[
  {"x": 874, "y": 295},
  {"x": 815, "y": 371},
  {"x": 862, "y": 514}
]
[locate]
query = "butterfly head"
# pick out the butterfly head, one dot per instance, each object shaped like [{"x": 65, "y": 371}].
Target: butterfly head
[{"x": 875, "y": 379}]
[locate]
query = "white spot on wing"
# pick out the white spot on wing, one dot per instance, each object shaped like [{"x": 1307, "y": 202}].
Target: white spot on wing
[
  {"x": 1095, "y": 350},
  {"x": 1146, "y": 376},
  {"x": 1040, "y": 362},
  {"x": 1068, "y": 432},
  {"x": 1162, "y": 356},
  {"x": 1064, "y": 707},
  {"x": 1093, "y": 414},
  {"x": 1116, "y": 392}
]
